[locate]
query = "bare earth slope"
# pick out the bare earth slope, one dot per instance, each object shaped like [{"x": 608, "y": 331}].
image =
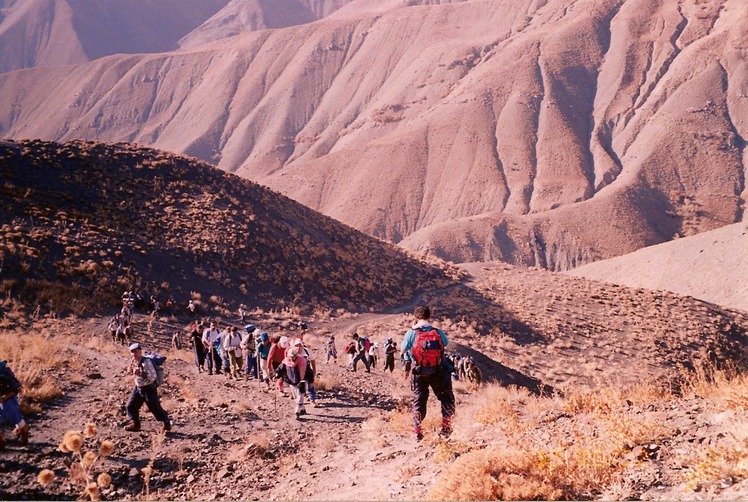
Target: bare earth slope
[
  {"x": 710, "y": 266},
  {"x": 545, "y": 133},
  {"x": 61, "y": 32},
  {"x": 81, "y": 222}
]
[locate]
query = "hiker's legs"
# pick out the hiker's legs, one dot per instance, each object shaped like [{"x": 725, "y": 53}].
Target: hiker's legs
[
  {"x": 442, "y": 385},
  {"x": 420, "y": 387},
  {"x": 134, "y": 404},
  {"x": 209, "y": 360},
  {"x": 250, "y": 366},
  {"x": 298, "y": 392},
  {"x": 312, "y": 393},
  {"x": 217, "y": 363},
  {"x": 150, "y": 395},
  {"x": 11, "y": 413}
]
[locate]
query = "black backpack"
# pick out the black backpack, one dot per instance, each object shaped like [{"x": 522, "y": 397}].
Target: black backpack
[{"x": 8, "y": 381}]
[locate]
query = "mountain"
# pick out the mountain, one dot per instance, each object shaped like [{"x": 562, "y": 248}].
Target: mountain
[
  {"x": 62, "y": 32},
  {"x": 535, "y": 132},
  {"x": 81, "y": 222},
  {"x": 240, "y": 16},
  {"x": 709, "y": 266}
]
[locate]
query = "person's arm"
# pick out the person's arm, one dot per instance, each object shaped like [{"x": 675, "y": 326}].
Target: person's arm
[
  {"x": 408, "y": 341},
  {"x": 443, "y": 335}
]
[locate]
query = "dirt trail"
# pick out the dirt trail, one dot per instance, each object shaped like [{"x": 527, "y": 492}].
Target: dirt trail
[{"x": 231, "y": 439}]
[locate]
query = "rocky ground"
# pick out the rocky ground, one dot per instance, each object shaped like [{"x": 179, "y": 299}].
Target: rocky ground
[{"x": 233, "y": 439}]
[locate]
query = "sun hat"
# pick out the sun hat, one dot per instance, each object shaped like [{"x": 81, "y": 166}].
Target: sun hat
[{"x": 135, "y": 346}]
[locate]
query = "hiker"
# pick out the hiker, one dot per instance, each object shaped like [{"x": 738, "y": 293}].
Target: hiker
[
  {"x": 9, "y": 409},
  {"x": 473, "y": 374},
  {"x": 198, "y": 349},
  {"x": 425, "y": 345},
  {"x": 331, "y": 350},
  {"x": 232, "y": 348},
  {"x": 123, "y": 331},
  {"x": 293, "y": 370},
  {"x": 350, "y": 350},
  {"x": 390, "y": 349},
  {"x": 145, "y": 391},
  {"x": 373, "y": 355},
  {"x": 176, "y": 341},
  {"x": 113, "y": 327},
  {"x": 243, "y": 315},
  {"x": 210, "y": 337},
  {"x": 192, "y": 308},
  {"x": 361, "y": 352},
  {"x": 311, "y": 369},
  {"x": 225, "y": 363},
  {"x": 263, "y": 351},
  {"x": 275, "y": 358},
  {"x": 249, "y": 347},
  {"x": 405, "y": 363}
]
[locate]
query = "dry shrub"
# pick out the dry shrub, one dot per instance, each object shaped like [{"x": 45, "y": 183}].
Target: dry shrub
[
  {"x": 33, "y": 357},
  {"x": 327, "y": 381},
  {"x": 496, "y": 474},
  {"x": 725, "y": 460},
  {"x": 253, "y": 447}
]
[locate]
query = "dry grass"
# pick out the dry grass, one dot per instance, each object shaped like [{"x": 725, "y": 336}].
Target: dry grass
[
  {"x": 34, "y": 358},
  {"x": 517, "y": 446}
]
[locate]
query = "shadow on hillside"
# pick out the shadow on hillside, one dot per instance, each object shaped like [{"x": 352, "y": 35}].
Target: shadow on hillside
[
  {"x": 465, "y": 302},
  {"x": 494, "y": 371}
]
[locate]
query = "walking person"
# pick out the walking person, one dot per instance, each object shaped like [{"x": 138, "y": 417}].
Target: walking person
[
  {"x": 293, "y": 371},
  {"x": 211, "y": 336},
  {"x": 362, "y": 352},
  {"x": 275, "y": 358},
  {"x": 198, "y": 350},
  {"x": 424, "y": 345},
  {"x": 390, "y": 349},
  {"x": 232, "y": 347},
  {"x": 331, "y": 350},
  {"x": 249, "y": 347},
  {"x": 145, "y": 391},
  {"x": 263, "y": 352},
  {"x": 311, "y": 369},
  {"x": 9, "y": 408}
]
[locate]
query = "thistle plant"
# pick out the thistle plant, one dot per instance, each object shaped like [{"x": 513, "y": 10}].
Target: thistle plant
[{"x": 83, "y": 468}]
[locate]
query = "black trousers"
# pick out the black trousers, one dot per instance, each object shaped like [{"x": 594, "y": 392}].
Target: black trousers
[{"x": 441, "y": 383}]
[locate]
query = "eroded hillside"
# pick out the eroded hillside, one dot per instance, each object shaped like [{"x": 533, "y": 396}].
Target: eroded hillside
[
  {"x": 548, "y": 133},
  {"x": 81, "y": 222}
]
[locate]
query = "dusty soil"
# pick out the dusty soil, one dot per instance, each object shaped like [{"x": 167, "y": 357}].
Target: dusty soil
[{"x": 233, "y": 440}]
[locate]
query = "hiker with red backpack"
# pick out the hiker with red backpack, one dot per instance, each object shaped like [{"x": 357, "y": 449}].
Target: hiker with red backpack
[
  {"x": 424, "y": 345},
  {"x": 9, "y": 408}
]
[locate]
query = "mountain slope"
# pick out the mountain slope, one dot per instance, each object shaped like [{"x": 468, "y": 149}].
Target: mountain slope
[
  {"x": 540, "y": 133},
  {"x": 81, "y": 222},
  {"x": 61, "y": 32},
  {"x": 710, "y": 266}
]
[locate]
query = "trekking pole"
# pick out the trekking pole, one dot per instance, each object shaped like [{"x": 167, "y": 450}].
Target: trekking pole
[{"x": 259, "y": 373}]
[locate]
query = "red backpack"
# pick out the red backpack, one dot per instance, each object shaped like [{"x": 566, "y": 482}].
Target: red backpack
[{"x": 428, "y": 348}]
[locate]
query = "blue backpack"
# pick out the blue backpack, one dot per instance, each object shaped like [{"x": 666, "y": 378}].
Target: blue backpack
[{"x": 158, "y": 364}]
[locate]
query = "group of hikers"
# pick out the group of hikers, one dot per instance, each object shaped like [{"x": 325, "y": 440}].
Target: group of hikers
[
  {"x": 284, "y": 362},
  {"x": 281, "y": 361}
]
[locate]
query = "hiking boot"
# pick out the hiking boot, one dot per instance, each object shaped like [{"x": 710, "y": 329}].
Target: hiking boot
[
  {"x": 445, "y": 432},
  {"x": 23, "y": 435},
  {"x": 133, "y": 427},
  {"x": 166, "y": 427},
  {"x": 298, "y": 415},
  {"x": 302, "y": 411},
  {"x": 419, "y": 434}
]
